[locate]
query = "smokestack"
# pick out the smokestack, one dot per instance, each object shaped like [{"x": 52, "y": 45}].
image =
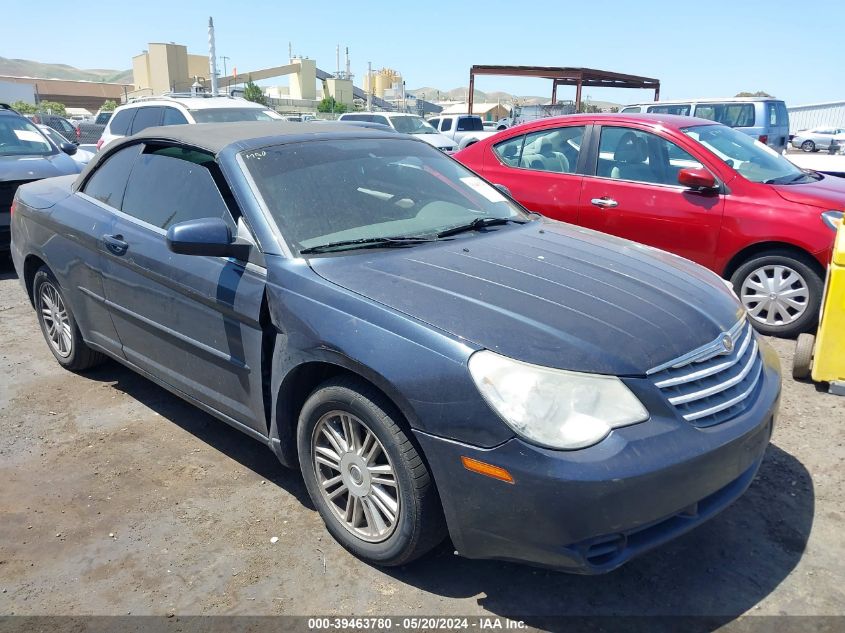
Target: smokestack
[
  {"x": 212, "y": 57},
  {"x": 337, "y": 56},
  {"x": 370, "y": 87},
  {"x": 348, "y": 67}
]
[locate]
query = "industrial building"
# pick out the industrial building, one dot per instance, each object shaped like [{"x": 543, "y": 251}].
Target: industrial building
[
  {"x": 805, "y": 117},
  {"x": 78, "y": 94}
]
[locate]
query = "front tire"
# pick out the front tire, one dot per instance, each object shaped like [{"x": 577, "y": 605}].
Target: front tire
[
  {"x": 365, "y": 476},
  {"x": 808, "y": 146},
  {"x": 782, "y": 292},
  {"x": 58, "y": 324}
]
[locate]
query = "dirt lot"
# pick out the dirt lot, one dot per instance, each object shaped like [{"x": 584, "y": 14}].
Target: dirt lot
[{"x": 119, "y": 498}]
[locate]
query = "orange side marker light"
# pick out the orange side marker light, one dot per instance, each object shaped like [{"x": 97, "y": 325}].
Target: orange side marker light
[{"x": 482, "y": 468}]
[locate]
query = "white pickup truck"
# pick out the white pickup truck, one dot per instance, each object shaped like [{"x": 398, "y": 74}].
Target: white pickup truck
[{"x": 464, "y": 129}]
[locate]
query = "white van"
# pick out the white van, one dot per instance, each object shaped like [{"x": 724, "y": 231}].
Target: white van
[
  {"x": 405, "y": 124},
  {"x": 762, "y": 118}
]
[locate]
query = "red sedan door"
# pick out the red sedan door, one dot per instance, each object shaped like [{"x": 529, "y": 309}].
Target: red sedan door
[
  {"x": 539, "y": 170},
  {"x": 634, "y": 193}
]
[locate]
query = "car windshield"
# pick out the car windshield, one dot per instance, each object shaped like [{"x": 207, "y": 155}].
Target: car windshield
[
  {"x": 54, "y": 136},
  {"x": 233, "y": 115},
  {"x": 411, "y": 125},
  {"x": 19, "y": 137},
  {"x": 753, "y": 160},
  {"x": 332, "y": 191}
]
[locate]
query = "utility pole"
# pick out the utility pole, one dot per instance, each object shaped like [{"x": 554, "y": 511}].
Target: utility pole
[
  {"x": 225, "y": 59},
  {"x": 212, "y": 57},
  {"x": 369, "y": 86}
]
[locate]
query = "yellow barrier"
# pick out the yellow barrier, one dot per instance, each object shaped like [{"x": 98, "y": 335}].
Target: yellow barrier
[{"x": 823, "y": 356}]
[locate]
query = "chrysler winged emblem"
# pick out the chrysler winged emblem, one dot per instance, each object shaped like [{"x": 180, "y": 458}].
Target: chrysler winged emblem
[{"x": 727, "y": 343}]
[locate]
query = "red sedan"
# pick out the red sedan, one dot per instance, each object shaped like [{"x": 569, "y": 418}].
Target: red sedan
[{"x": 692, "y": 187}]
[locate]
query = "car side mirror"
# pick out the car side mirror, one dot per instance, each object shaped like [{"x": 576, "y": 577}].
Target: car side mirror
[
  {"x": 697, "y": 178},
  {"x": 68, "y": 148},
  {"x": 205, "y": 236}
]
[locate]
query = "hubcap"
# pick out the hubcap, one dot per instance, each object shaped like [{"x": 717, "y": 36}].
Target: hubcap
[
  {"x": 355, "y": 476},
  {"x": 55, "y": 318},
  {"x": 775, "y": 295}
]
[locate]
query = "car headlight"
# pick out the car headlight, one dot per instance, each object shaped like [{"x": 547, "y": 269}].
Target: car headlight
[
  {"x": 554, "y": 407},
  {"x": 832, "y": 218}
]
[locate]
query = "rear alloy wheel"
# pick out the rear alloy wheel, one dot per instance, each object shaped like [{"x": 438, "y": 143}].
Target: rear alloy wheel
[
  {"x": 58, "y": 325},
  {"x": 781, "y": 291},
  {"x": 365, "y": 476},
  {"x": 808, "y": 146}
]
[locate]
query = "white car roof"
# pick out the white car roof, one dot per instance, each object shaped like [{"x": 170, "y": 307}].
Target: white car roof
[{"x": 197, "y": 103}]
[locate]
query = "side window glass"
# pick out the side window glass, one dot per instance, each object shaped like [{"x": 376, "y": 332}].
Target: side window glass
[
  {"x": 380, "y": 119},
  {"x": 629, "y": 154},
  {"x": 435, "y": 123},
  {"x": 174, "y": 184},
  {"x": 510, "y": 151},
  {"x": 554, "y": 150},
  {"x": 108, "y": 181},
  {"x": 172, "y": 116},
  {"x": 680, "y": 109},
  {"x": 146, "y": 117},
  {"x": 120, "y": 123},
  {"x": 447, "y": 125}
]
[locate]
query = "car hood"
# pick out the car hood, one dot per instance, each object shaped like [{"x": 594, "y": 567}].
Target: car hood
[
  {"x": 32, "y": 167},
  {"x": 828, "y": 193},
  {"x": 438, "y": 140},
  {"x": 548, "y": 293}
]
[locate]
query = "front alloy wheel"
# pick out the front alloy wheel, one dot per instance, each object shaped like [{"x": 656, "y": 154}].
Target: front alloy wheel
[
  {"x": 54, "y": 316},
  {"x": 365, "y": 475},
  {"x": 356, "y": 478}
]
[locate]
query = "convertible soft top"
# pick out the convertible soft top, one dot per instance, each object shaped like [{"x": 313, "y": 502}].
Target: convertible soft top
[{"x": 214, "y": 137}]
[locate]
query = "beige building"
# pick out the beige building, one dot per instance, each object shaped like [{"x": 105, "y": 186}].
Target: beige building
[{"x": 167, "y": 68}]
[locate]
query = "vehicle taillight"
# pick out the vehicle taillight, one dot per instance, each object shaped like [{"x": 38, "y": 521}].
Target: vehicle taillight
[
  {"x": 78, "y": 134},
  {"x": 99, "y": 144},
  {"x": 763, "y": 138},
  {"x": 12, "y": 208}
]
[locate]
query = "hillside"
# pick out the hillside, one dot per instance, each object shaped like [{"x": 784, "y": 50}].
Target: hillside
[
  {"x": 460, "y": 94},
  {"x": 29, "y": 68}
]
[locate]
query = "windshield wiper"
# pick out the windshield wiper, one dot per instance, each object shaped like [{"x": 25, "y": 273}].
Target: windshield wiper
[
  {"x": 778, "y": 181},
  {"x": 478, "y": 223},
  {"x": 366, "y": 242}
]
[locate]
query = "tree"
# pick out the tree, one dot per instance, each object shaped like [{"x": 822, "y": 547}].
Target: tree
[
  {"x": 253, "y": 93},
  {"x": 108, "y": 106},
  {"x": 328, "y": 104},
  {"x": 759, "y": 93},
  {"x": 52, "y": 107},
  {"x": 24, "y": 108}
]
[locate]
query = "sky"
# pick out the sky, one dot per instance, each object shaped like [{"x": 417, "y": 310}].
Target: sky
[{"x": 792, "y": 50}]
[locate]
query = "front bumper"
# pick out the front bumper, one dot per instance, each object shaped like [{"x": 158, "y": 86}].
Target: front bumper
[{"x": 591, "y": 510}]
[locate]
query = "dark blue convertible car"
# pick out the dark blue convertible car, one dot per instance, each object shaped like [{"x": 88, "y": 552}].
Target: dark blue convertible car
[{"x": 430, "y": 355}]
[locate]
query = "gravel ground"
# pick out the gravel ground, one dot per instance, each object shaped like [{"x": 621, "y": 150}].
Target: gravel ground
[{"x": 118, "y": 498}]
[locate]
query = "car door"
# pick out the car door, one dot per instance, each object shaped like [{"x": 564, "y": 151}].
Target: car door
[
  {"x": 540, "y": 169},
  {"x": 633, "y": 192},
  {"x": 191, "y": 321},
  {"x": 87, "y": 218}
]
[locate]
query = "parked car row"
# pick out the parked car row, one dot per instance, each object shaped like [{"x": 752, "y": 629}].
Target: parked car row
[{"x": 434, "y": 358}]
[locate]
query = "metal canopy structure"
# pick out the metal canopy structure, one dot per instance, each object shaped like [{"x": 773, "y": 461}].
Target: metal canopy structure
[{"x": 563, "y": 76}]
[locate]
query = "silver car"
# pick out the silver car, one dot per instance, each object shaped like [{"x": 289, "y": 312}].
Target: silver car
[{"x": 816, "y": 139}]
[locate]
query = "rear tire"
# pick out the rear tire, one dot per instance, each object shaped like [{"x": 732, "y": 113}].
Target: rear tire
[
  {"x": 781, "y": 290},
  {"x": 58, "y": 324},
  {"x": 357, "y": 489},
  {"x": 802, "y": 361},
  {"x": 808, "y": 146}
]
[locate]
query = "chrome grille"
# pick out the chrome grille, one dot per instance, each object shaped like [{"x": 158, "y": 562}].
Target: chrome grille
[{"x": 710, "y": 385}]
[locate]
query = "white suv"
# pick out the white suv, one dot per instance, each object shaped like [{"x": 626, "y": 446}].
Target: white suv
[
  {"x": 405, "y": 124},
  {"x": 178, "y": 110}
]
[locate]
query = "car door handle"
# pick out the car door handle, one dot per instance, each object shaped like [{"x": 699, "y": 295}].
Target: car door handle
[
  {"x": 115, "y": 244},
  {"x": 604, "y": 203}
]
